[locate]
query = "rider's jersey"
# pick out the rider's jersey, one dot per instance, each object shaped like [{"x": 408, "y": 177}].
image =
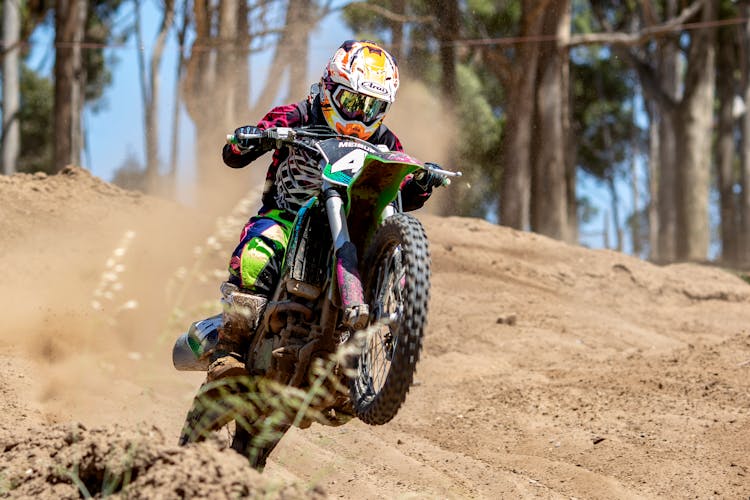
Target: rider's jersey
[{"x": 293, "y": 176}]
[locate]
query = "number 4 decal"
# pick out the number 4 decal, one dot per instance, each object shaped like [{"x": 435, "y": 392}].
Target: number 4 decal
[{"x": 353, "y": 161}]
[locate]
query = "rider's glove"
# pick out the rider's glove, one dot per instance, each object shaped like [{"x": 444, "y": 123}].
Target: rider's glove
[
  {"x": 246, "y": 144},
  {"x": 427, "y": 180}
]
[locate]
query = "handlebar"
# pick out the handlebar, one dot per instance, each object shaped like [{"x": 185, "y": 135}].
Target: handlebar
[
  {"x": 292, "y": 136},
  {"x": 437, "y": 169},
  {"x": 284, "y": 134}
]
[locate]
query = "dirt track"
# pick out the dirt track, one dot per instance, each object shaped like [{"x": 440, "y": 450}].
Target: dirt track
[{"x": 549, "y": 370}]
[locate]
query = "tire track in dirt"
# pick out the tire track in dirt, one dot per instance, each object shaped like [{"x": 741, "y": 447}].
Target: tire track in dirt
[{"x": 549, "y": 370}]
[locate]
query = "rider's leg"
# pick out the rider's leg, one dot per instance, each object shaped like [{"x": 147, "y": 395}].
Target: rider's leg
[
  {"x": 253, "y": 273},
  {"x": 239, "y": 318}
]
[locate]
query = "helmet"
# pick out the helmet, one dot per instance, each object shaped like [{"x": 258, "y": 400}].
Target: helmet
[{"x": 358, "y": 86}]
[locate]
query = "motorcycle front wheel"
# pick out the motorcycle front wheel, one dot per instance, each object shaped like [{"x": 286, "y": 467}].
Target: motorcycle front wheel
[
  {"x": 397, "y": 286},
  {"x": 254, "y": 422}
]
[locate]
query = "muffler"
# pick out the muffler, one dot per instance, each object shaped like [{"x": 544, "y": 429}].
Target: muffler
[{"x": 192, "y": 348}]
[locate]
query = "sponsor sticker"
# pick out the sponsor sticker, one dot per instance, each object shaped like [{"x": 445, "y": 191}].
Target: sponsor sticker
[{"x": 375, "y": 87}]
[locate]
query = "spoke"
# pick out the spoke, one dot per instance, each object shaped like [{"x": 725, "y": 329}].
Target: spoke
[
  {"x": 380, "y": 359},
  {"x": 365, "y": 366},
  {"x": 387, "y": 297},
  {"x": 371, "y": 364},
  {"x": 384, "y": 369}
]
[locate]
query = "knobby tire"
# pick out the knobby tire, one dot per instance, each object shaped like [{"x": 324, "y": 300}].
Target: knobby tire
[{"x": 400, "y": 239}]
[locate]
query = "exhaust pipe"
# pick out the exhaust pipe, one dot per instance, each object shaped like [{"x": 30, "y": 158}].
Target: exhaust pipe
[{"x": 192, "y": 348}]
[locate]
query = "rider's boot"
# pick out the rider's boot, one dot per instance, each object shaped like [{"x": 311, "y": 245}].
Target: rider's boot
[{"x": 241, "y": 314}]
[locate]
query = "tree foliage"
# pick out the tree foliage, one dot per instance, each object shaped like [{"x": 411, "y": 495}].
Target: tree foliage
[
  {"x": 603, "y": 120},
  {"x": 35, "y": 119}
]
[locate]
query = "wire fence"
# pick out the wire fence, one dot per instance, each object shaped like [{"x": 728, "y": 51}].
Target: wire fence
[{"x": 466, "y": 42}]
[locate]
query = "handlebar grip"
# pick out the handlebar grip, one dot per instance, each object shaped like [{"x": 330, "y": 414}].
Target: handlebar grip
[{"x": 251, "y": 136}]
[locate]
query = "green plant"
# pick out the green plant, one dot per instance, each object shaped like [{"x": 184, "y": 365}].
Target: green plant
[
  {"x": 265, "y": 409},
  {"x": 6, "y": 485}
]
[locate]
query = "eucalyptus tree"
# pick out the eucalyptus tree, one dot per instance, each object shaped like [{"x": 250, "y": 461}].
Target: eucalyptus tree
[
  {"x": 215, "y": 68},
  {"x": 11, "y": 86},
  {"x": 426, "y": 37},
  {"x": 655, "y": 41},
  {"x": 150, "y": 86},
  {"x": 70, "y": 79},
  {"x": 523, "y": 96},
  {"x": 531, "y": 72},
  {"x": 603, "y": 121},
  {"x": 27, "y": 97},
  {"x": 517, "y": 68},
  {"x": 726, "y": 157},
  {"x": 744, "y": 203},
  {"x": 51, "y": 133},
  {"x": 215, "y": 83},
  {"x": 553, "y": 184}
]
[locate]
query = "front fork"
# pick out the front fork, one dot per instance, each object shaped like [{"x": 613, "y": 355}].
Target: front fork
[{"x": 356, "y": 311}]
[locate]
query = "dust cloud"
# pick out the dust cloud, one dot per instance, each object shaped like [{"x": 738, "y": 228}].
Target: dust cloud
[{"x": 615, "y": 379}]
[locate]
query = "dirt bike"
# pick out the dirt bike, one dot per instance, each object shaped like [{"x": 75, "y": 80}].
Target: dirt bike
[{"x": 341, "y": 335}]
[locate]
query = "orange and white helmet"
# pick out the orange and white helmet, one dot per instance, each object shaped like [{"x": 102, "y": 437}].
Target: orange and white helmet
[{"x": 358, "y": 86}]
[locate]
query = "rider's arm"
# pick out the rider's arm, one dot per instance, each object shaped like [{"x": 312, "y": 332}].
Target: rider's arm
[{"x": 281, "y": 116}]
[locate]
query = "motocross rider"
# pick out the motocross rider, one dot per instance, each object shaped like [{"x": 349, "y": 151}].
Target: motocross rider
[{"x": 359, "y": 85}]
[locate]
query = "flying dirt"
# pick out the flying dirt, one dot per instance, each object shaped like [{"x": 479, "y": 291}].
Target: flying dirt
[{"x": 548, "y": 370}]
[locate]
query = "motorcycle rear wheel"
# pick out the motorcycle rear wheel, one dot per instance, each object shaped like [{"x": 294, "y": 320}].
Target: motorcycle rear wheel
[{"x": 397, "y": 288}]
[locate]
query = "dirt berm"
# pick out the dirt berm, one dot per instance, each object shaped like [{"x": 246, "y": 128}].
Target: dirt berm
[{"x": 549, "y": 370}]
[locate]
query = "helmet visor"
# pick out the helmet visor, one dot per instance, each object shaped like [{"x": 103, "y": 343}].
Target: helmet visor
[{"x": 360, "y": 107}]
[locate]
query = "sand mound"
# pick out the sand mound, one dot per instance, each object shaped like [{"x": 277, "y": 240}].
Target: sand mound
[
  {"x": 548, "y": 371},
  {"x": 71, "y": 461}
]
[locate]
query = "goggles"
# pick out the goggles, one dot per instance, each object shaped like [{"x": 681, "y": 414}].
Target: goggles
[{"x": 360, "y": 107}]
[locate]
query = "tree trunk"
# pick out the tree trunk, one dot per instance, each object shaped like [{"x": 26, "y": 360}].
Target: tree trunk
[
  {"x": 448, "y": 17},
  {"x": 227, "y": 58},
  {"x": 199, "y": 93},
  {"x": 397, "y": 29},
  {"x": 150, "y": 91},
  {"x": 550, "y": 192},
  {"x": 677, "y": 120},
  {"x": 730, "y": 230},
  {"x": 11, "y": 85},
  {"x": 242, "y": 78},
  {"x": 300, "y": 24},
  {"x": 570, "y": 229},
  {"x": 744, "y": 250},
  {"x": 694, "y": 132},
  {"x": 449, "y": 25},
  {"x": 176, "y": 99},
  {"x": 515, "y": 188},
  {"x": 667, "y": 205},
  {"x": 615, "y": 203},
  {"x": 635, "y": 224},
  {"x": 70, "y": 22},
  {"x": 653, "y": 183},
  {"x": 291, "y": 50},
  {"x": 571, "y": 173}
]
